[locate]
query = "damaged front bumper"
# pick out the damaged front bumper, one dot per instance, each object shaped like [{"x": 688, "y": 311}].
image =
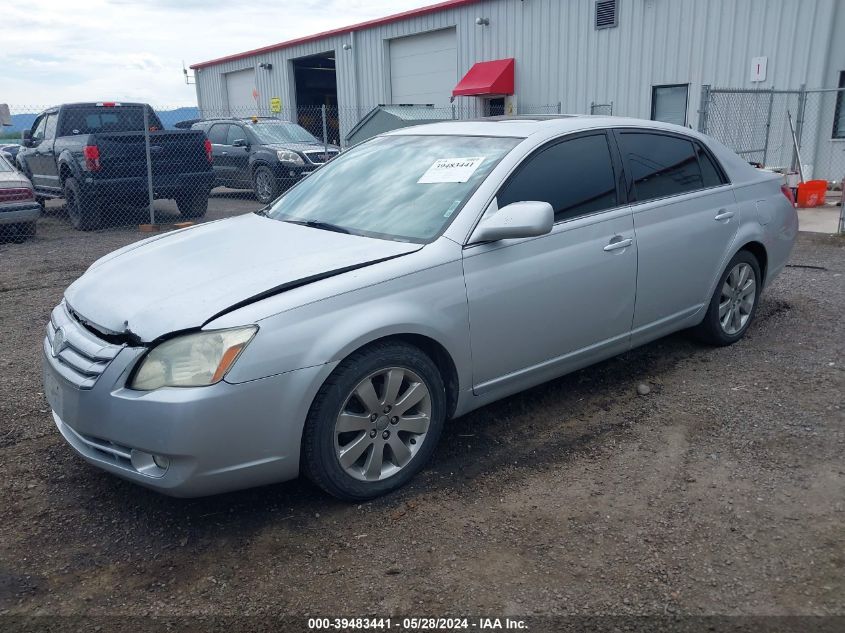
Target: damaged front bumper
[{"x": 186, "y": 442}]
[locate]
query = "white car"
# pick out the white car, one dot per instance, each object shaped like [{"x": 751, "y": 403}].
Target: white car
[{"x": 18, "y": 208}]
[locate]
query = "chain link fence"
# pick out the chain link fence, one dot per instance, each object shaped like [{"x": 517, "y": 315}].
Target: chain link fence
[
  {"x": 110, "y": 166},
  {"x": 759, "y": 125}
]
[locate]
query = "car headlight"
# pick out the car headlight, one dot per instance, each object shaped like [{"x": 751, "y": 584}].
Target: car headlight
[
  {"x": 192, "y": 360},
  {"x": 288, "y": 156}
]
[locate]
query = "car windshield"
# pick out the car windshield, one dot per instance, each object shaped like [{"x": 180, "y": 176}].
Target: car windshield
[
  {"x": 281, "y": 132},
  {"x": 395, "y": 187}
]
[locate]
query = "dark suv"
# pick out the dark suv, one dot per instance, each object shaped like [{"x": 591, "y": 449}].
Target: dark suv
[{"x": 266, "y": 155}]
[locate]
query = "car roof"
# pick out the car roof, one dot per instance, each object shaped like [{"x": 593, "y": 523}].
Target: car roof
[
  {"x": 546, "y": 127},
  {"x": 523, "y": 126}
]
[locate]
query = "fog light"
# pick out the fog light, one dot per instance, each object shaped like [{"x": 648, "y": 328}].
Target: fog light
[{"x": 161, "y": 461}]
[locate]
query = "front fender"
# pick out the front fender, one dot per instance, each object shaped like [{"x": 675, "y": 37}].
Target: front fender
[{"x": 430, "y": 302}]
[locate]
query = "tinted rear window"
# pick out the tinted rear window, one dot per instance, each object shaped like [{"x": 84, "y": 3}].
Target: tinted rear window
[
  {"x": 711, "y": 174},
  {"x": 217, "y": 133},
  {"x": 660, "y": 165},
  {"x": 96, "y": 119}
]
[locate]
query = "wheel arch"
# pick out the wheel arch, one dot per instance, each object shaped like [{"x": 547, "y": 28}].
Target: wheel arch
[
  {"x": 759, "y": 251},
  {"x": 259, "y": 162},
  {"x": 438, "y": 354},
  {"x": 66, "y": 170}
]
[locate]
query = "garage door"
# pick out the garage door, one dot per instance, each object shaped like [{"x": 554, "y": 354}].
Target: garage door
[
  {"x": 239, "y": 87},
  {"x": 424, "y": 68}
]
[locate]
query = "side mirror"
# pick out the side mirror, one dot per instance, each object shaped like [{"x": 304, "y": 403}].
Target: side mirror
[
  {"x": 240, "y": 142},
  {"x": 519, "y": 219},
  {"x": 26, "y": 138}
]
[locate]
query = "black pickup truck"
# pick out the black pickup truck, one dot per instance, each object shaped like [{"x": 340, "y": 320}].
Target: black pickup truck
[{"x": 94, "y": 155}]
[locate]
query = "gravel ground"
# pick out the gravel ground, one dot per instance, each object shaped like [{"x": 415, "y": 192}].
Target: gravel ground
[{"x": 720, "y": 491}]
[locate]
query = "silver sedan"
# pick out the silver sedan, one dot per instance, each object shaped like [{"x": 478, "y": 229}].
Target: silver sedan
[{"x": 416, "y": 277}]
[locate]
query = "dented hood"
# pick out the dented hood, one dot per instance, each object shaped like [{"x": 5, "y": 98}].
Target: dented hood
[{"x": 183, "y": 279}]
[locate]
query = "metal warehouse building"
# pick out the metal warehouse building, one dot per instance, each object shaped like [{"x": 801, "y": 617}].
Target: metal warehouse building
[{"x": 642, "y": 58}]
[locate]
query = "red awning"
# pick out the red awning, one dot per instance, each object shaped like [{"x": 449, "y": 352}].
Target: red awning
[{"x": 487, "y": 78}]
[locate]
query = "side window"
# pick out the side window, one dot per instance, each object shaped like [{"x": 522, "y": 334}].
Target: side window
[
  {"x": 217, "y": 133},
  {"x": 710, "y": 174},
  {"x": 38, "y": 129},
  {"x": 575, "y": 176},
  {"x": 669, "y": 103},
  {"x": 660, "y": 165},
  {"x": 50, "y": 126},
  {"x": 235, "y": 132}
]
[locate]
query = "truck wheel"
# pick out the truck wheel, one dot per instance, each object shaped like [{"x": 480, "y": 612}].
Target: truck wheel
[
  {"x": 193, "y": 205},
  {"x": 85, "y": 214},
  {"x": 264, "y": 184}
]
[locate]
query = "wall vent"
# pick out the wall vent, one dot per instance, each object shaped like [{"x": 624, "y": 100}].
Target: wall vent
[{"x": 606, "y": 14}]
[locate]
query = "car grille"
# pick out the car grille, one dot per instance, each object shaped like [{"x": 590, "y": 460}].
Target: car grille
[
  {"x": 79, "y": 355},
  {"x": 318, "y": 158}
]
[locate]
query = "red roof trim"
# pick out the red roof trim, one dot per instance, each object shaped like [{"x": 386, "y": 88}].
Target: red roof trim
[
  {"x": 487, "y": 78},
  {"x": 396, "y": 17}
]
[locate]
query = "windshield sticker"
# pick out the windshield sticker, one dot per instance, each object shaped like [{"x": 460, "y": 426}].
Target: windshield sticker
[
  {"x": 451, "y": 170},
  {"x": 451, "y": 208}
]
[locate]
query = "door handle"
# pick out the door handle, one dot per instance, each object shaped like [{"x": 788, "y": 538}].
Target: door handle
[
  {"x": 617, "y": 243},
  {"x": 224, "y": 153},
  {"x": 724, "y": 214}
]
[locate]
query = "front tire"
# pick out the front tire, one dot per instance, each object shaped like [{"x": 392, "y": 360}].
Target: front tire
[
  {"x": 85, "y": 213},
  {"x": 734, "y": 302},
  {"x": 264, "y": 184},
  {"x": 375, "y": 422}
]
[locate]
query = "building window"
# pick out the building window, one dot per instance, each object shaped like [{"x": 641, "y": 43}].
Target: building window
[
  {"x": 839, "y": 112},
  {"x": 606, "y": 14},
  {"x": 669, "y": 103}
]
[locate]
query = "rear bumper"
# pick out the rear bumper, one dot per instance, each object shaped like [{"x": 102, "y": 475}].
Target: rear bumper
[
  {"x": 22, "y": 212},
  {"x": 164, "y": 186}
]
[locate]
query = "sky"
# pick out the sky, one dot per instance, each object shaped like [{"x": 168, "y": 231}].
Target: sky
[{"x": 58, "y": 51}]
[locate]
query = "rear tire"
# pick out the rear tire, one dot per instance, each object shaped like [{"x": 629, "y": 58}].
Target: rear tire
[
  {"x": 394, "y": 438},
  {"x": 264, "y": 184},
  {"x": 734, "y": 302},
  {"x": 84, "y": 212},
  {"x": 193, "y": 205}
]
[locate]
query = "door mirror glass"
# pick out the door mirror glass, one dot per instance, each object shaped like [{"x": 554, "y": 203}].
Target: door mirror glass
[
  {"x": 518, "y": 219},
  {"x": 26, "y": 138},
  {"x": 239, "y": 142}
]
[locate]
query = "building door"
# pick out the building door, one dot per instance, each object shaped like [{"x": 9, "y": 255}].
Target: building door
[
  {"x": 315, "y": 85},
  {"x": 424, "y": 68},
  {"x": 239, "y": 88}
]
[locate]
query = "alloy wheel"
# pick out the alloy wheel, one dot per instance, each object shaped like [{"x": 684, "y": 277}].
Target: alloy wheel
[
  {"x": 737, "y": 298},
  {"x": 382, "y": 424},
  {"x": 263, "y": 186}
]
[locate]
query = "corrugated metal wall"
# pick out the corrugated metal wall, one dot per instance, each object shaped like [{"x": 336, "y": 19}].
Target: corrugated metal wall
[{"x": 560, "y": 57}]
